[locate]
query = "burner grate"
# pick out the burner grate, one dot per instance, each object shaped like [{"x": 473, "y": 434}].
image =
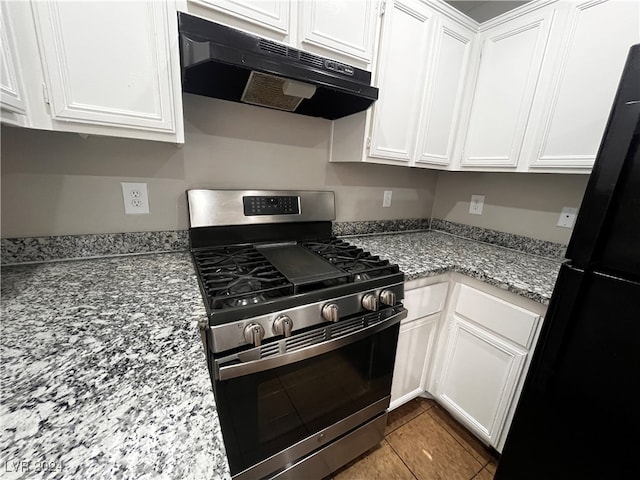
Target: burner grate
[
  {"x": 237, "y": 276},
  {"x": 357, "y": 262}
]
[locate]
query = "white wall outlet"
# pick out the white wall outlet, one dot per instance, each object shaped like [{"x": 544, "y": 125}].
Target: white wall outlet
[
  {"x": 136, "y": 200},
  {"x": 476, "y": 205},
  {"x": 386, "y": 200},
  {"x": 567, "y": 217}
]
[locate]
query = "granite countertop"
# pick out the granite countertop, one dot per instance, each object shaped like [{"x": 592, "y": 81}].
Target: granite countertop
[
  {"x": 103, "y": 374},
  {"x": 424, "y": 254}
]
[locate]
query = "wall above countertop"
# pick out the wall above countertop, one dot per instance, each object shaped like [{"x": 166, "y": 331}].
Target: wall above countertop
[
  {"x": 56, "y": 183},
  {"x": 522, "y": 204}
]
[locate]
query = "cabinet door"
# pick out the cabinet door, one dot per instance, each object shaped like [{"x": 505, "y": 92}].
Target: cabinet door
[
  {"x": 108, "y": 63},
  {"x": 401, "y": 74},
  {"x": 510, "y": 62},
  {"x": 12, "y": 97},
  {"x": 415, "y": 343},
  {"x": 594, "y": 49},
  {"x": 448, "y": 72},
  {"x": 478, "y": 378},
  {"x": 271, "y": 17},
  {"x": 336, "y": 26}
]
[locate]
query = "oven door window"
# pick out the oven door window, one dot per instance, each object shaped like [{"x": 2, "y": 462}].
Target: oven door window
[{"x": 264, "y": 413}]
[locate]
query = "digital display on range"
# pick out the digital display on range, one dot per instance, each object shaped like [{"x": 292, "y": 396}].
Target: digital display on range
[{"x": 272, "y": 205}]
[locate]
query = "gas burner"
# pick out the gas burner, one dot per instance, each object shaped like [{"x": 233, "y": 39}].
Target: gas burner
[
  {"x": 241, "y": 291},
  {"x": 238, "y": 276},
  {"x": 358, "y": 277},
  {"x": 244, "y": 301},
  {"x": 359, "y": 263}
]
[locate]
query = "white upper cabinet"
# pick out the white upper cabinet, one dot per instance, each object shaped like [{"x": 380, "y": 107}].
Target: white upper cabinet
[
  {"x": 267, "y": 18},
  {"x": 510, "y": 63},
  {"x": 575, "y": 109},
  {"x": 422, "y": 58},
  {"x": 337, "y": 29},
  {"x": 403, "y": 57},
  {"x": 445, "y": 84},
  {"x": 13, "y": 102},
  {"x": 109, "y": 65},
  {"x": 330, "y": 26}
]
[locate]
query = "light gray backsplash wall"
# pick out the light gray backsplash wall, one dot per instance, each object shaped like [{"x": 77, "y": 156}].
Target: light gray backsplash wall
[
  {"x": 521, "y": 203},
  {"x": 57, "y": 183}
]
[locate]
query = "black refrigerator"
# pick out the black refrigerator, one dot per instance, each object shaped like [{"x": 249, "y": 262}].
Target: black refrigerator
[{"x": 579, "y": 413}]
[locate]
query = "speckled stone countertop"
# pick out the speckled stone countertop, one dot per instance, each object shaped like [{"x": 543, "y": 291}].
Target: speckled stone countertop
[
  {"x": 103, "y": 374},
  {"x": 102, "y": 370},
  {"x": 424, "y": 254}
]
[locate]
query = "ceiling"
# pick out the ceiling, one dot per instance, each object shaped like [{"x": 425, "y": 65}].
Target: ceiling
[{"x": 481, "y": 10}]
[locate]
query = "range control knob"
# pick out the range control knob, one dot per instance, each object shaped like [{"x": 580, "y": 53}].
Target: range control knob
[
  {"x": 330, "y": 312},
  {"x": 387, "y": 297},
  {"x": 254, "y": 333},
  {"x": 370, "y": 302},
  {"x": 282, "y": 325}
]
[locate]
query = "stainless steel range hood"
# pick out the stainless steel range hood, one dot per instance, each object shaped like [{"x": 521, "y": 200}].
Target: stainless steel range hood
[{"x": 221, "y": 62}]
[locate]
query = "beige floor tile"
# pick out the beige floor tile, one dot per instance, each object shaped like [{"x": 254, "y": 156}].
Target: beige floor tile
[
  {"x": 380, "y": 463},
  {"x": 492, "y": 465},
  {"x": 484, "y": 474},
  {"x": 402, "y": 415},
  {"x": 426, "y": 403},
  {"x": 431, "y": 452},
  {"x": 474, "y": 446}
]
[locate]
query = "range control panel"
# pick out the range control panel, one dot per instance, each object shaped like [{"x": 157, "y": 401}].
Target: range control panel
[{"x": 279, "y": 205}]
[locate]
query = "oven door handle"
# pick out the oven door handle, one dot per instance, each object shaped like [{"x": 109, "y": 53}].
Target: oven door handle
[{"x": 247, "y": 368}]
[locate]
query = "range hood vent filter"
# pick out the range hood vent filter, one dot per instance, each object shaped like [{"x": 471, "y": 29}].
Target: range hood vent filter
[{"x": 271, "y": 91}]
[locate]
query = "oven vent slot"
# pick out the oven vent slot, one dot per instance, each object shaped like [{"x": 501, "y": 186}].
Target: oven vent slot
[
  {"x": 320, "y": 335},
  {"x": 374, "y": 319},
  {"x": 345, "y": 328},
  {"x": 301, "y": 341},
  {"x": 269, "y": 350}
]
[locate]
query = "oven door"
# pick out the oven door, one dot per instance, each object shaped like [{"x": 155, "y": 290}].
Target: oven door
[{"x": 276, "y": 410}]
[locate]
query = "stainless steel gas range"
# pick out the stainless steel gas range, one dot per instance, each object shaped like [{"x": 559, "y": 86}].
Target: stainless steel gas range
[{"x": 301, "y": 334}]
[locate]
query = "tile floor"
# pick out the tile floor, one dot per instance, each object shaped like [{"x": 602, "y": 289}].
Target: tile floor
[{"x": 422, "y": 442}]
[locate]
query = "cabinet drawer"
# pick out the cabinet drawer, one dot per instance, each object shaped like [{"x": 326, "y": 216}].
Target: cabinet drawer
[
  {"x": 424, "y": 301},
  {"x": 510, "y": 321}
]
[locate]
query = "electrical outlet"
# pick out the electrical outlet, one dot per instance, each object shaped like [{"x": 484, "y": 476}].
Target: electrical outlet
[
  {"x": 386, "y": 199},
  {"x": 136, "y": 200},
  {"x": 476, "y": 205},
  {"x": 567, "y": 217}
]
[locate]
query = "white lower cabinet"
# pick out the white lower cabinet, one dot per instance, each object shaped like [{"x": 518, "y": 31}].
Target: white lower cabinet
[
  {"x": 417, "y": 340},
  {"x": 483, "y": 355},
  {"x": 469, "y": 345},
  {"x": 479, "y": 376}
]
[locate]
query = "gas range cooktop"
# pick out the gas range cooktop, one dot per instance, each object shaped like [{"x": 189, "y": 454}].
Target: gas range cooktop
[
  {"x": 240, "y": 281},
  {"x": 269, "y": 267}
]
